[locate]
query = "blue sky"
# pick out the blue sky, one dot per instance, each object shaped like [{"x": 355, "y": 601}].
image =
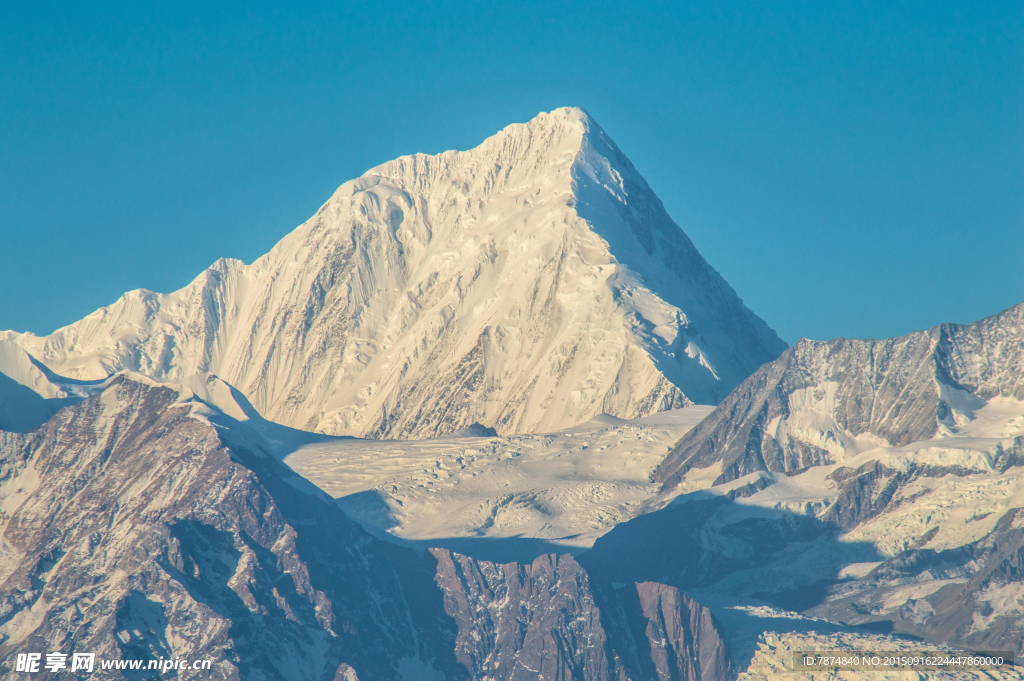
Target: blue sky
[{"x": 852, "y": 168}]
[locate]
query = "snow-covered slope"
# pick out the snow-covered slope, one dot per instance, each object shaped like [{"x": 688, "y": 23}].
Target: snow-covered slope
[
  {"x": 30, "y": 393},
  {"x": 493, "y": 497},
  {"x": 498, "y": 497},
  {"x": 822, "y": 402},
  {"x": 529, "y": 284}
]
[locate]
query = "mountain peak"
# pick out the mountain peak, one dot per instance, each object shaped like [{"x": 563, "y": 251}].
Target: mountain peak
[
  {"x": 544, "y": 150},
  {"x": 526, "y": 285},
  {"x": 571, "y": 119},
  {"x": 565, "y": 115}
]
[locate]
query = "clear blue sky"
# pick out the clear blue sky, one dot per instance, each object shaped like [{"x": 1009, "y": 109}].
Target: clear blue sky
[{"x": 852, "y": 168}]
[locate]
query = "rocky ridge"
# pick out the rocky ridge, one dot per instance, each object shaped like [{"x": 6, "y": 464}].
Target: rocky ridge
[
  {"x": 133, "y": 530},
  {"x": 546, "y": 621},
  {"x": 140, "y": 523},
  {"x": 821, "y": 402}
]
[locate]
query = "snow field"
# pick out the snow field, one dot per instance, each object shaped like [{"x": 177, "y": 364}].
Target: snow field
[{"x": 568, "y": 487}]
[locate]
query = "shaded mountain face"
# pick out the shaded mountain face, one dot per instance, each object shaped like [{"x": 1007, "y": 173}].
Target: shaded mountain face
[
  {"x": 133, "y": 530},
  {"x": 869, "y": 485},
  {"x": 526, "y": 285},
  {"x": 932, "y": 554},
  {"x": 142, "y": 524},
  {"x": 30, "y": 393}
]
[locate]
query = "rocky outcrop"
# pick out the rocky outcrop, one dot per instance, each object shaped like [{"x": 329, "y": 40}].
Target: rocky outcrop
[
  {"x": 547, "y": 621},
  {"x": 862, "y": 494},
  {"x": 685, "y": 644},
  {"x": 978, "y": 606},
  {"x": 526, "y": 621}
]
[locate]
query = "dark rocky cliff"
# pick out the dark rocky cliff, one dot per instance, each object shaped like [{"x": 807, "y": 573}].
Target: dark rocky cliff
[
  {"x": 547, "y": 621},
  {"x": 134, "y": 530}
]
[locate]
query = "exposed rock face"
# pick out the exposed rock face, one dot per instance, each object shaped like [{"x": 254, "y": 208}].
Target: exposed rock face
[
  {"x": 810, "y": 406},
  {"x": 978, "y": 606},
  {"x": 135, "y": 529},
  {"x": 862, "y": 494},
  {"x": 525, "y": 621},
  {"x": 546, "y": 621},
  {"x": 684, "y": 641},
  {"x": 526, "y": 285}
]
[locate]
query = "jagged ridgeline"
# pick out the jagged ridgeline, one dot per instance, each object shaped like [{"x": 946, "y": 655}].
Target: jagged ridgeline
[
  {"x": 142, "y": 524},
  {"x": 821, "y": 403},
  {"x": 526, "y": 285}
]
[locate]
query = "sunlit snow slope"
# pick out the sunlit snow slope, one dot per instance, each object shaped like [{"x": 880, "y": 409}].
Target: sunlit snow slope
[
  {"x": 565, "y": 488},
  {"x": 529, "y": 284}
]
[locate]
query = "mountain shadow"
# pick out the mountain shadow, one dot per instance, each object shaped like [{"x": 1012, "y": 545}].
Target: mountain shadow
[{"x": 725, "y": 555}]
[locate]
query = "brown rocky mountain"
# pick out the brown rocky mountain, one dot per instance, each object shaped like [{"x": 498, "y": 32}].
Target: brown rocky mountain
[
  {"x": 546, "y": 621},
  {"x": 141, "y": 524}
]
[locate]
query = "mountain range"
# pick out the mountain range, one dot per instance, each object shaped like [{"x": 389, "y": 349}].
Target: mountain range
[
  {"x": 490, "y": 415},
  {"x": 141, "y": 523}
]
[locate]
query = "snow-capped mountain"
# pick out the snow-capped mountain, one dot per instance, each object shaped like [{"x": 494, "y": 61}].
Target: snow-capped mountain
[
  {"x": 869, "y": 485},
  {"x": 142, "y": 522},
  {"x": 527, "y": 285},
  {"x": 842, "y": 492},
  {"x": 824, "y": 402}
]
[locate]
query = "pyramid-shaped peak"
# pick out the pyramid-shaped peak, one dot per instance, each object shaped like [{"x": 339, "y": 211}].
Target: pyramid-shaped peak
[
  {"x": 546, "y": 149},
  {"x": 542, "y": 149},
  {"x": 564, "y": 122},
  {"x": 527, "y": 284}
]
